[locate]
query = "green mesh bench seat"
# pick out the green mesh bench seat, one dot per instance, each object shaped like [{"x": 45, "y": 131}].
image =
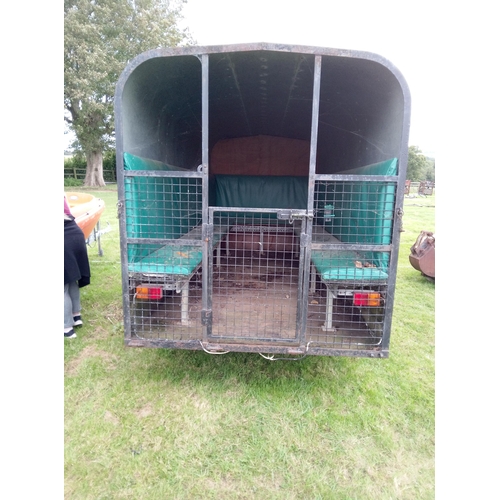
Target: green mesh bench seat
[
  {"x": 340, "y": 265},
  {"x": 176, "y": 260},
  {"x": 366, "y": 210},
  {"x": 170, "y": 259}
]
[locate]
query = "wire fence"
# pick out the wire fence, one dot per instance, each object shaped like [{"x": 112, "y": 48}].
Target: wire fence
[
  {"x": 422, "y": 188},
  {"x": 79, "y": 174}
]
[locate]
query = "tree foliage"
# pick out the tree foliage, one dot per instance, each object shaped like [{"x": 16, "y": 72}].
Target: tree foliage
[
  {"x": 430, "y": 172},
  {"x": 419, "y": 167},
  {"x": 100, "y": 37}
]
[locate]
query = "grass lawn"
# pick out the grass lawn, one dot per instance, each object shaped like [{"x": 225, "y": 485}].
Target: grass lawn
[{"x": 157, "y": 424}]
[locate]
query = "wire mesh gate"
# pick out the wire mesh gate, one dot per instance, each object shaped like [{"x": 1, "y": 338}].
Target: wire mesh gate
[{"x": 255, "y": 291}]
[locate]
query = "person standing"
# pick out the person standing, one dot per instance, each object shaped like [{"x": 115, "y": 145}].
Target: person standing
[{"x": 76, "y": 272}]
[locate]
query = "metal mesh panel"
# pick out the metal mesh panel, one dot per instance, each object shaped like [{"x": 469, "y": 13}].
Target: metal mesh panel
[
  {"x": 256, "y": 281},
  {"x": 356, "y": 212},
  {"x": 349, "y": 263},
  {"x": 172, "y": 311},
  {"x": 163, "y": 218},
  {"x": 162, "y": 207},
  {"x": 346, "y": 313}
]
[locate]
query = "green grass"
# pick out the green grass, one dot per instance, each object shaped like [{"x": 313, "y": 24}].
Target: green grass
[{"x": 154, "y": 423}]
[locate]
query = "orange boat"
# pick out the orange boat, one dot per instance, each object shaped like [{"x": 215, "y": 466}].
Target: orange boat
[{"x": 86, "y": 209}]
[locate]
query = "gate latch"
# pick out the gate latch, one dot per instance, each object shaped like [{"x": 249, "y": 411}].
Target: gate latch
[{"x": 290, "y": 215}]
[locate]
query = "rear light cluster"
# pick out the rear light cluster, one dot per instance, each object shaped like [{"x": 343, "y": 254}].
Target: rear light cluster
[
  {"x": 360, "y": 299},
  {"x": 149, "y": 292},
  {"x": 370, "y": 299}
]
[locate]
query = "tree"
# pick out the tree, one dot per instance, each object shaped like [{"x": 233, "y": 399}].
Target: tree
[
  {"x": 100, "y": 37},
  {"x": 417, "y": 164},
  {"x": 430, "y": 172}
]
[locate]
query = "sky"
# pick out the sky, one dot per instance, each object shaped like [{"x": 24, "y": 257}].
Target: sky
[{"x": 392, "y": 29}]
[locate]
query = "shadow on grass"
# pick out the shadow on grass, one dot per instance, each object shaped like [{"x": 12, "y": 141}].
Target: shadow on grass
[{"x": 253, "y": 372}]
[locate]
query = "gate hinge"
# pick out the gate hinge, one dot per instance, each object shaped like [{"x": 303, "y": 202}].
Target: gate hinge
[
  {"x": 119, "y": 209},
  {"x": 206, "y": 316},
  {"x": 207, "y": 232},
  {"x": 399, "y": 215},
  {"x": 305, "y": 239}
]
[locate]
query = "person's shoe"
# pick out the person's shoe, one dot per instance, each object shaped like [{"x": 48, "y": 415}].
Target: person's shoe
[
  {"x": 77, "y": 321},
  {"x": 70, "y": 335}
]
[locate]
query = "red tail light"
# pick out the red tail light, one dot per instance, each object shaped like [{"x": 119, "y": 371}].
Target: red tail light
[
  {"x": 149, "y": 292},
  {"x": 370, "y": 299}
]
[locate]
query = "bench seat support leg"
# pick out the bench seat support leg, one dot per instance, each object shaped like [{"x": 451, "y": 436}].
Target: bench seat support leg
[
  {"x": 312, "y": 282},
  {"x": 185, "y": 304},
  {"x": 328, "y": 326}
]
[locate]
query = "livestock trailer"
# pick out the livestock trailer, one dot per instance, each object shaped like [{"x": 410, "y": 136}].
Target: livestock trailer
[{"x": 260, "y": 196}]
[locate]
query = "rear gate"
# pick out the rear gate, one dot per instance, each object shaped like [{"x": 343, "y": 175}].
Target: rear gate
[{"x": 256, "y": 282}]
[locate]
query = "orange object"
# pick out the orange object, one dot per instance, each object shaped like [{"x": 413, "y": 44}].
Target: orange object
[{"x": 86, "y": 209}]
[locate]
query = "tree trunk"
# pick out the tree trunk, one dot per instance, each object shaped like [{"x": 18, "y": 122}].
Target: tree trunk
[{"x": 94, "y": 176}]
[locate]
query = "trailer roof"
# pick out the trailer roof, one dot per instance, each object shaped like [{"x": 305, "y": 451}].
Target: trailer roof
[{"x": 262, "y": 89}]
